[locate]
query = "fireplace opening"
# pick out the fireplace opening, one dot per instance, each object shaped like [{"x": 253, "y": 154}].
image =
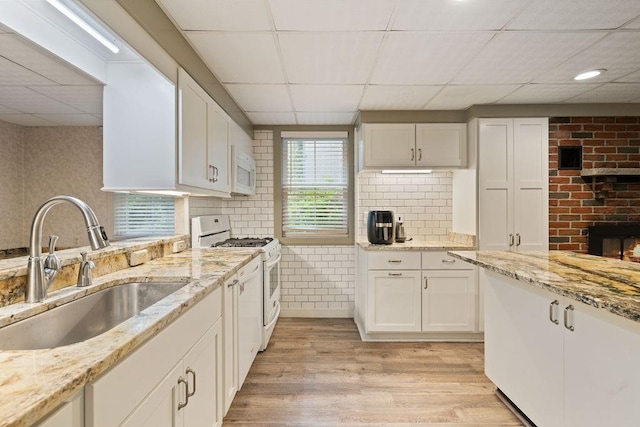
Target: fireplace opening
[{"x": 615, "y": 241}]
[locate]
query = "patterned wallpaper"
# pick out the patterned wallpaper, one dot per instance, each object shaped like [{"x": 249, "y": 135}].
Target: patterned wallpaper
[{"x": 11, "y": 186}]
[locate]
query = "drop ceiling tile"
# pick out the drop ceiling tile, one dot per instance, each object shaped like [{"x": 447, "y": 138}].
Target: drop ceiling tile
[
  {"x": 609, "y": 92},
  {"x": 7, "y": 110},
  {"x": 239, "y": 57},
  {"x": 72, "y": 119},
  {"x": 383, "y": 97},
  {"x": 261, "y": 97},
  {"x": 323, "y": 57},
  {"x": 272, "y": 118},
  {"x": 546, "y": 94},
  {"x": 341, "y": 118},
  {"x": 35, "y": 59},
  {"x": 450, "y": 15},
  {"x": 226, "y": 15},
  {"x": 634, "y": 24},
  {"x": 462, "y": 97},
  {"x": 12, "y": 74},
  {"x": 312, "y": 98},
  {"x": 331, "y": 15},
  {"x": 85, "y": 98},
  {"x": 520, "y": 57},
  {"x": 610, "y": 53},
  {"x": 575, "y": 14},
  {"x": 630, "y": 78},
  {"x": 25, "y": 120},
  {"x": 416, "y": 58},
  {"x": 27, "y": 101}
]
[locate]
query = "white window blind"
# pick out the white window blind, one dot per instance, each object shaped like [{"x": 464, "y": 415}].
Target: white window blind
[
  {"x": 138, "y": 215},
  {"x": 315, "y": 187}
]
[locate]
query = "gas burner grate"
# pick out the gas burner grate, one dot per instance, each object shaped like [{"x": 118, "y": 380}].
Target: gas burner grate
[{"x": 245, "y": 242}]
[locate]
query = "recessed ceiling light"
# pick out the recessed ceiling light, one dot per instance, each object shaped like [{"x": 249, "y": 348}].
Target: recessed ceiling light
[{"x": 589, "y": 74}]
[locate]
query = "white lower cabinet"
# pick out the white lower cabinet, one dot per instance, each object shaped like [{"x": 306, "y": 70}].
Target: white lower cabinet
[
  {"x": 174, "y": 379},
  {"x": 69, "y": 414},
  {"x": 561, "y": 362},
  {"x": 448, "y": 300},
  {"x": 230, "y": 339},
  {"x": 394, "y": 301},
  {"x": 249, "y": 316}
]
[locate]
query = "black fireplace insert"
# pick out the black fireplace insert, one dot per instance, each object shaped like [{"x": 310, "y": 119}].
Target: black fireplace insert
[{"x": 615, "y": 241}]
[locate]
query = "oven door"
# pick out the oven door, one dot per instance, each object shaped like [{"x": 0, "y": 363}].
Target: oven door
[{"x": 271, "y": 309}]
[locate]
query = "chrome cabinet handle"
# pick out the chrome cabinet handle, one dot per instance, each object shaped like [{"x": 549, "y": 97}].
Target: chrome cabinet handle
[
  {"x": 426, "y": 282},
  {"x": 551, "y": 311},
  {"x": 510, "y": 239},
  {"x": 395, "y": 274},
  {"x": 181, "y": 380},
  {"x": 517, "y": 239},
  {"x": 394, "y": 261},
  {"x": 566, "y": 318},
  {"x": 419, "y": 154},
  {"x": 232, "y": 284},
  {"x": 448, "y": 261},
  {"x": 413, "y": 154},
  {"x": 192, "y": 372},
  {"x": 215, "y": 174}
]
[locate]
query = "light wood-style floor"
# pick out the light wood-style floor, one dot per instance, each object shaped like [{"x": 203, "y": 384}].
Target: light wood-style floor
[{"x": 317, "y": 372}]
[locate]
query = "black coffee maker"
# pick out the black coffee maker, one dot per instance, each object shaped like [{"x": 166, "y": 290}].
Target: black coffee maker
[{"x": 380, "y": 227}]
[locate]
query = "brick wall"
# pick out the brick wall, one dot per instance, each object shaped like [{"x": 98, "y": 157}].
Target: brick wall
[{"x": 607, "y": 142}]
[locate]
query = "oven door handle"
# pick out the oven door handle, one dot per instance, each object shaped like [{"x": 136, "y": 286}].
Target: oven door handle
[
  {"x": 275, "y": 318},
  {"x": 274, "y": 262}
]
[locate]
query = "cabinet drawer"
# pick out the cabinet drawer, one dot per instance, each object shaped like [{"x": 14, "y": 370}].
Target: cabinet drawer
[
  {"x": 442, "y": 261},
  {"x": 394, "y": 260}
]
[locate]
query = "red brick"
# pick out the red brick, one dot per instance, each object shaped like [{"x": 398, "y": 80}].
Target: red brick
[
  {"x": 571, "y": 127},
  {"x": 605, "y": 150},
  {"x": 626, "y": 119},
  {"x": 593, "y": 128},
  {"x": 568, "y": 202},
  {"x": 581, "y": 195},
  {"x": 581, "y": 119},
  {"x": 604, "y": 135},
  {"x": 604, "y": 120},
  {"x": 560, "y": 224},
  {"x": 615, "y": 128}
]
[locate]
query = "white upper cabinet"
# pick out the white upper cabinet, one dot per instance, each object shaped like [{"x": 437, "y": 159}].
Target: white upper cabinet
[{"x": 400, "y": 145}]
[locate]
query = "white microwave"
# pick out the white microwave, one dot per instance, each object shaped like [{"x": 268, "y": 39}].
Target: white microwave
[{"x": 243, "y": 172}]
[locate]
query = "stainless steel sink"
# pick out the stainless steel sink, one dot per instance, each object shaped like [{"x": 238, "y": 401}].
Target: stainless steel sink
[{"x": 84, "y": 318}]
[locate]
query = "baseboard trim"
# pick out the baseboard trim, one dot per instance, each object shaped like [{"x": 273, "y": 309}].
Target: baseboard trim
[
  {"x": 513, "y": 408},
  {"x": 300, "y": 312}
]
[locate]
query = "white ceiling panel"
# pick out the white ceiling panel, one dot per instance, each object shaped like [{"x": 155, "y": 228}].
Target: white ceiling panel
[
  {"x": 425, "y": 58},
  {"x": 323, "y": 98},
  {"x": 634, "y": 24},
  {"x": 35, "y": 59},
  {"x": 7, "y": 110},
  {"x": 462, "y": 97},
  {"x": 575, "y": 14},
  {"x": 521, "y": 57},
  {"x": 610, "y": 53},
  {"x": 272, "y": 118},
  {"x": 261, "y": 97},
  {"x": 630, "y": 78},
  {"x": 546, "y": 94},
  {"x": 345, "y": 118},
  {"x": 85, "y": 98},
  {"x": 25, "y": 100},
  {"x": 72, "y": 119},
  {"x": 26, "y": 120},
  {"x": 610, "y": 92},
  {"x": 239, "y": 57},
  {"x": 322, "y": 57},
  {"x": 331, "y": 15},
  {"x": 12, "y": 74},
  {"x": 455, "y": 15},
  {"x": 383, "y": 97},
  {"x": 226, "y": 15}
]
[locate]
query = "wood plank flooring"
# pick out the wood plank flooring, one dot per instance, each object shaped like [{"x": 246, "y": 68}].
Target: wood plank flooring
[{"x": 317, "y": 372}]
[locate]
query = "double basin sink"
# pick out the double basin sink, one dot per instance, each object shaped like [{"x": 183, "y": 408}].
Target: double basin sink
[{"x": 84, "y": 318}]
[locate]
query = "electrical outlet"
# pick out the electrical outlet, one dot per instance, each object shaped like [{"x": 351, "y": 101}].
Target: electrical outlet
[
  {"x": 179, "y": 246},
  {"x": 139, "y": 257}
]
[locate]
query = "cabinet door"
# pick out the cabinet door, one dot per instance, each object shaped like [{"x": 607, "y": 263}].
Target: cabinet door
[
  {"x": 523, "y": 347},
  {"x": 249, "y": 316},
  {"x": 394, "y": 301},
  {"x": 160, "y": 407},
  {"x": 69, "y": 414},
  {"x": 449, "y": 300},
  {"x": 389, "y": 145},
  {"x": 193, "y": 123},
  {"x": 230, "y": 339},
  {"x": 531, "y": 184},
  {"x": 203, "y": 371},
  {"x": 602, "y": 379},
  {"x": 495, "y": 183},
  {"x": 441, "y": 144},
  {"x": 218, "y": 148}
]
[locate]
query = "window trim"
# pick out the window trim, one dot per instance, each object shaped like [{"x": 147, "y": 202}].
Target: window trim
[{"x": 277, "y": 187}]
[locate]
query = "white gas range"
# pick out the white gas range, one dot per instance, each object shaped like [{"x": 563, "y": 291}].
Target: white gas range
[{"x": 215, "y": 231}]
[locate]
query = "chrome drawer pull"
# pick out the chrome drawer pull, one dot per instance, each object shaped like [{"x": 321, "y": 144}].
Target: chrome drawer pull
[
  {"x": 448, "y": 261},
  {"x": 395, "y": 261},
  {"x": 426, "y": 282},
  {"x": 551, "y": 311},
  {"x": 395, "y": 274},
  {"x": 186, "y": 388},
  {"x": 566, "y": 318}
]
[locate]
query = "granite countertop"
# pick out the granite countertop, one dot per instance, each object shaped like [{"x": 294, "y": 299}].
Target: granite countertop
[
  {"x": 604, "y": 283},
  {"x": 35, "y": 382},
  {"x": 417, "y": 245}
]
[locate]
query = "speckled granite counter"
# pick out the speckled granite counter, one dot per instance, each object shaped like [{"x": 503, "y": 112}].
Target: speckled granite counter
[
  {"x": 33, "y": 383},
  {"x": 604, "y": 283},
  {"x": 416, "y": 245}
]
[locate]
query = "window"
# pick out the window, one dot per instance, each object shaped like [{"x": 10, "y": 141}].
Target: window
[
  {"x": 138, "y": 215},
  {"x": 315, "y": 178}
]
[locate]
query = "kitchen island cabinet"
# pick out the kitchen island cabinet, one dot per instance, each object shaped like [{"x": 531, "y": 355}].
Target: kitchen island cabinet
[{"x": 562, "y": 335}]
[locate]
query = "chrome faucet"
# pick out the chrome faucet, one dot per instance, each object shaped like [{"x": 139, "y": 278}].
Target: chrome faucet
[
  {"x": 40, "y": 274},
  {"x": 84, "y": 271}
]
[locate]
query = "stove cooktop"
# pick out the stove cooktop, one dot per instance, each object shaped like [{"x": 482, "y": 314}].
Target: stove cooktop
[{"x": 245, "y": 242}]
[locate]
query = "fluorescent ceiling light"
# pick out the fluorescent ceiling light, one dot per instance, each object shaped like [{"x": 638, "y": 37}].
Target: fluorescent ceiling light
[
  {"x": 64, "y": 9},
  {"x": 407, "y": 171},
  {"x": 588, "y": 74}
]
